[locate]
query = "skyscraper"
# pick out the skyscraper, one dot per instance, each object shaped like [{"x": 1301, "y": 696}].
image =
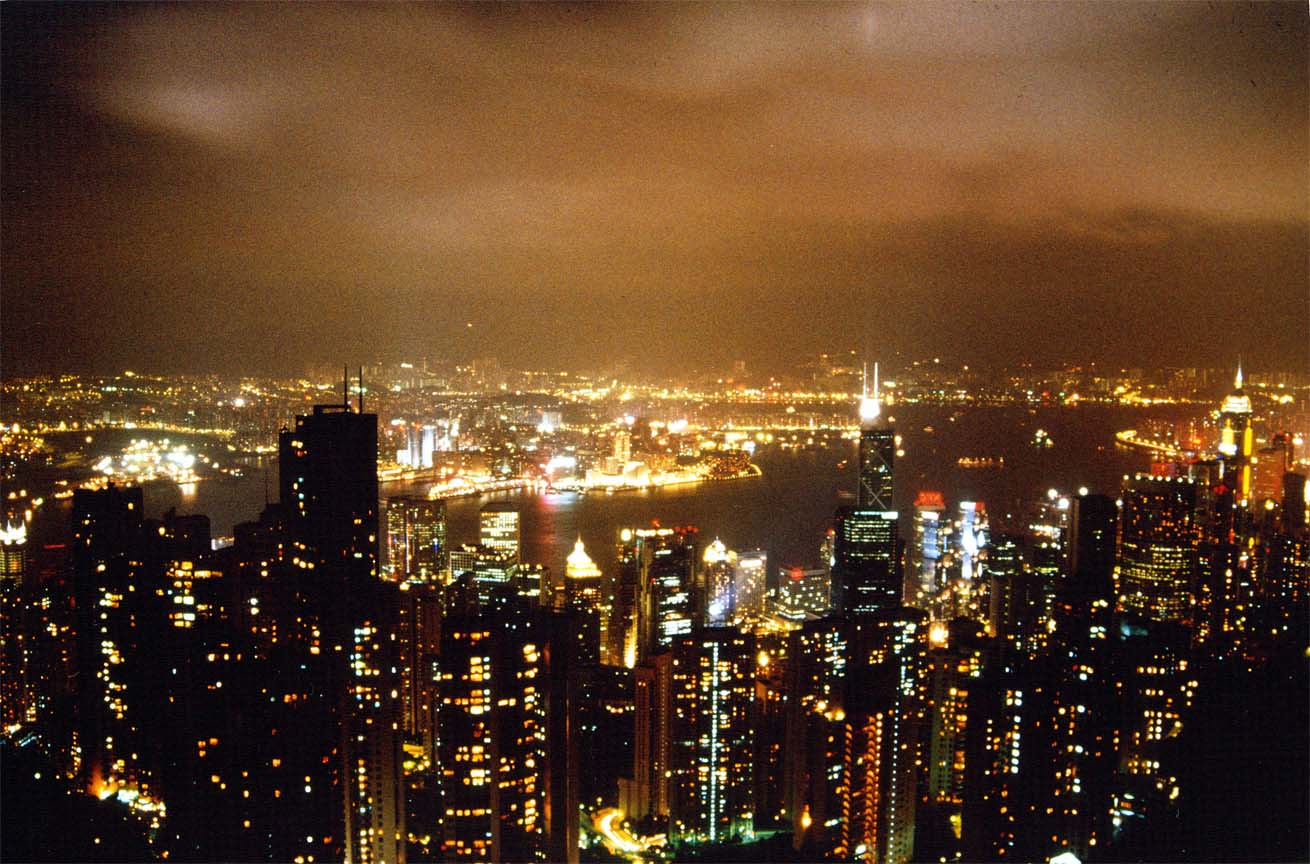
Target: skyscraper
[
  {"x": 1091, "y": 548},
  {"x": 877, "y": 451},
  {"x": 927, "y": 548},
  {"x": 865, "y": 575},
  {"x": 583, "y": 594},
  {"x": 491, "y": 738},
  {"x": 711, "y": 759},
  {"x": 667, "y": 576},
  {"x": 1157, "y": 547},
  {"x": 1236, "y": 439},
  {"x": 329, "y": 484},
  {"x": 498, "y": 528},
  {"x": 416, "y": 538},
  {"x": 328, "y": 480}
]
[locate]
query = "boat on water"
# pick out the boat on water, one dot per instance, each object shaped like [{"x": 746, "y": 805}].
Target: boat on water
[{"x": 981, "y": 462}]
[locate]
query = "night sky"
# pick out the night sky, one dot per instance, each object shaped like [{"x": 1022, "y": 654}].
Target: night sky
[{"x": 262, "y": 187}]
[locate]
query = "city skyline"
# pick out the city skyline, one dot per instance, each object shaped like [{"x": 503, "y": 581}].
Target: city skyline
[
  {"x": 634, "y": 433},
  {"x": 230, "y": 187}
]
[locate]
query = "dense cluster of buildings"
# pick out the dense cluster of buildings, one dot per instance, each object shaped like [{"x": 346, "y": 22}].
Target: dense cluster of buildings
[{"x": 343, "y": 682}]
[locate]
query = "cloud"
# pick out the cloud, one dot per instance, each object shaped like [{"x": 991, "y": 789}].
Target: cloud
[{"x": 390, "y": 169}]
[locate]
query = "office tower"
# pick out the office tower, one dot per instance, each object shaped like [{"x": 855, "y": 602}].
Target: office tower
[
  {"x": 1287, "y": 572},
  {"x": 1048, "y": 536},
  {"x": 1001, "y": 770},
  {"x": 1016, "y": 598},
  {"x": 1223, "y": 590},
  {"x": 329, "y": 485},
  {"x": 666, "y": 580},
  {"x": 418, "y": 633},
  {"x": 1093, "y": 520},
  {"x": 493, "y": 572},
  {"x": 926, "y": 549},
  {"x": 1157, "y": 548},
  {"x": 1157, "y": 683},
  {"x": 718, "y": 569},
  {"x": 416, "y": 539},
  {"x": 498, "y": 528},
  {"x": 1268, "y": 466},
  {"x": 1237, "y": 439},
  {"x": 801, "y": 593},
  {"x": 749, "y": 582},
  {"x": 865, "y": 576},
  {"x": 877, "y": 452},
  {"x": 652, "y": 705},
  {"x": 711, "y": 754},
  {"x": 13, "y": 551},
  {"x": 374, "y": 779},
  {"x": 1079, "y": 715},
  {"x": 972, "y": 537},
  {"x": 771, "y": 745},
  {"x": 491, "y": 738},
  {"x": 622, "y": 597},
  {"x": 583, "y": 594}
]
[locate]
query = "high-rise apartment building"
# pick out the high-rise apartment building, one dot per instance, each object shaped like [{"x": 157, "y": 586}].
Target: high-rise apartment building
[{"x": 711, "y": 756}]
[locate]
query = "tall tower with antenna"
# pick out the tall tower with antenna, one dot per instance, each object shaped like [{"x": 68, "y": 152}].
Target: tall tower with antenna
[
  {"x": 866, "y": 575},
  {"x": 877, "y": 449}
]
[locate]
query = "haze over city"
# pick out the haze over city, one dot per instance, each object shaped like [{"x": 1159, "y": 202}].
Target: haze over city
[
  {"x": 254, "y": 188},
  {"x": 649, "y": 433}
]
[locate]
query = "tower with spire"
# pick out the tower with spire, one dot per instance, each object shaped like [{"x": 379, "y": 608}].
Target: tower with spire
[
  {"x": 877, "y": 449},
  {"x": 1236, "y": 438},
  {"x": 866, "y": 575}
]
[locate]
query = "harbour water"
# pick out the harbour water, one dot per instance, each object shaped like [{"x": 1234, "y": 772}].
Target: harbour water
[{"x": 788, "y": 510}]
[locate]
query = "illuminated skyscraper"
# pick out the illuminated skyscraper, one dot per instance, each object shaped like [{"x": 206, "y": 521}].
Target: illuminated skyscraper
[
  {"x": 498, "y": 525},
  {"x": 802, "y": 593},
  {"x": 749, "y": 584},
  {"x": 583, "y": 594},
  {"x": 328, "y": 480},
  {"x": 717, "y": 574},
  {"x": 877, "y": 452},
  {"x": 1157, "y": 548},
  {"x": 111, "y": 581},
  {"x": 416, "y": 539},
  {"x": 652, "y": 703},
  {"x": 666, "y": 579},
  {"x": 711, "y": 759},
  {"x": 1237, "y": 438},
  {"x": 813, "y": 768},
  {"x": 866, "y": 576},
  {"x": 972, "y": 537},
  {"x": 491, "y": 738},
  {"x": 927, "y": 548}
]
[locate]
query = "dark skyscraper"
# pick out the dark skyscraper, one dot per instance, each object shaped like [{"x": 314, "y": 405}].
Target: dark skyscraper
[
  {"x": 1092, "y": 526},
  {"x": 329, "y": 484},
  {"x": 328, "y": 480}
]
